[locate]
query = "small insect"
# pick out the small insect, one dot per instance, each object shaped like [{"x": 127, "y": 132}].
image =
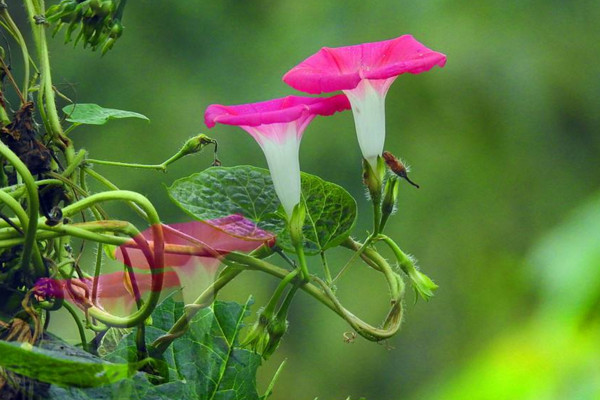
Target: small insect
[
  {"x": 349, "y": 337},
  {"x": 397, "y": 167}
]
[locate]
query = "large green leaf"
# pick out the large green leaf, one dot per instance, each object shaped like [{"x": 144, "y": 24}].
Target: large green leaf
[
  {"x": 93, "y": 114},
  {"x": 205, "y": 363},
  {"x": 61, "y": 368},
  {"x": 330, "y": 215},
  {"x": 220, "y": 191}
]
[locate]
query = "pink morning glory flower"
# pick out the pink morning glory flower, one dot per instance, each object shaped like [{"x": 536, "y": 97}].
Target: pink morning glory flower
[
  {"x": 277, "y": 125},
  {"x": 364, "y": 72}
]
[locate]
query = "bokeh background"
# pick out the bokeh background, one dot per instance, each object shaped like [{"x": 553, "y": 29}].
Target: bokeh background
[{"x": 504, "y": 141}]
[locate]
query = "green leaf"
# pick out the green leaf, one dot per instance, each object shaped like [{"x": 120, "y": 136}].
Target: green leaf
[
  {"x": 56, "y": 367},
  {"x": 205, "y": 363},
  {"x": 111, "y": 339},
  {"x": 330, "y": 215},
  {"x": 93, "y": 114},
  {"x": 220, "y": 191},
  {"x": 208, "y": 356}
]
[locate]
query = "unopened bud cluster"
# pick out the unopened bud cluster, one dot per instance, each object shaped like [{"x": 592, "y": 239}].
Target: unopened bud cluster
[{"x": 98, "y": 21}]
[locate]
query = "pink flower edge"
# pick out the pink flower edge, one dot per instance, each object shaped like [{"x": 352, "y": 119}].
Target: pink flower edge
[
  {"x": 206, "y": 241},
  {"x": 281, "y": 110},
  {"x": 342, "y": 68}
]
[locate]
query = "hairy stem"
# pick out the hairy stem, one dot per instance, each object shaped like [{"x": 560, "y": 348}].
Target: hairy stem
[
  {"x": 327, "y": 298},
  {"x": 204, "y": 300}
]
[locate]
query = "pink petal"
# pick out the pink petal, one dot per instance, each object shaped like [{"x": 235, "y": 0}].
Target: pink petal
[
  {"x": 205, "y": 241},
  {"x": 342, "y": 68},
  {"x": 286, "y": 109}
]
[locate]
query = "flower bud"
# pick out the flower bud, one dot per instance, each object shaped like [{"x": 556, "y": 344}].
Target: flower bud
[
  {"x": 276, "y": 329},
  {"x": 374, "y": 179},
  {"x": 196, "y": 144},
  {"x": 296, "y": 224},
  {"x": 255, "y": 338},
  {"x": 422, "y": 284},
  {"x": 390, "y": 196}
]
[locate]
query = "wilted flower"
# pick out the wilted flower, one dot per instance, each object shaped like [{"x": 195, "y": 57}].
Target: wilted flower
[{"x": 188, "y": 248}]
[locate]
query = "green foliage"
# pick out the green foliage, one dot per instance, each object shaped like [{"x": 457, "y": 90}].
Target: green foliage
[
  {"x": 221, "y": 191},
  {"x": 54, "y": 366},
  {"x": 93, "y": 114},
  {"x": 205, "y": 363}
]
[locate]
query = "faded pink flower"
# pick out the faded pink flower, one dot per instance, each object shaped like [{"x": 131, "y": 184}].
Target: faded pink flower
[
  {"x": 364, "y": 72},
  {"x": 277, "y": 125},
  {"x": 187, "y": 246},
  {"x": 203, "y": 242}
]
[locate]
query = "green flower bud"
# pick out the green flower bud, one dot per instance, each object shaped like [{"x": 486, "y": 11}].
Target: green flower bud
[
  {"x": 116, "y": 30},
  {"x": 276, "y": 329},
  {"x": 107, "y": 8},
  {"x": 196, "y": 144},
  {"x": 296, "y": 224},
  {"x": 390, "y": 196},
  {"x": 255, "y": 336},
  {"x": 422, "y": 284},
  {"x": 374, "y": 179}
]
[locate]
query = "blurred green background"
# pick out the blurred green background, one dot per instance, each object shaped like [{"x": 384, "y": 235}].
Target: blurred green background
[{"x": 504, "y": 141}]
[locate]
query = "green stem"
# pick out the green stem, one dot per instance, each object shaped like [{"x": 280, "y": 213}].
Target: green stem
[
  {"x": 283, "y": 310},
  {"x": 112, "y": 186},
  {"x": 24, "y": 220},
  {"x": 77, "y": 159},
  {"x": 73, "y": 313},
  {"x": 191, "y": 146},
  {"x": 376, "y": 215},
  {"x": 358, "y": 251},
  {"x": 36, "y": 9},
  {"x": 156, "y": 260},
  {"x": 97, "y": 268},
  {"x": 353, "y": 245},
  {"x": 17, "y": 190},
  {"x": 12, "y": 238},
  {"x": 33, "y": 206},
  {"x": 14, "y": 30},
  {"x": 327, "y": 298},
  {"x": 326, "y": 268},
  {"x": 403, "y": 260},
  {"x": 302, "y": 262},
  {"x": 160, "y": 167},
  {"x": 204, "y": 300},
  {"x": 272, "y": 304},
  {"x": 422, "y": 284}
]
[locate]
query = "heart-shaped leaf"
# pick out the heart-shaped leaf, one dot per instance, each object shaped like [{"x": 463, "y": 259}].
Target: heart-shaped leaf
[
  {"x": 93, "y": 114},
  {"x": 205, "y": 363},
  {"x": 220, "y": 191}
]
